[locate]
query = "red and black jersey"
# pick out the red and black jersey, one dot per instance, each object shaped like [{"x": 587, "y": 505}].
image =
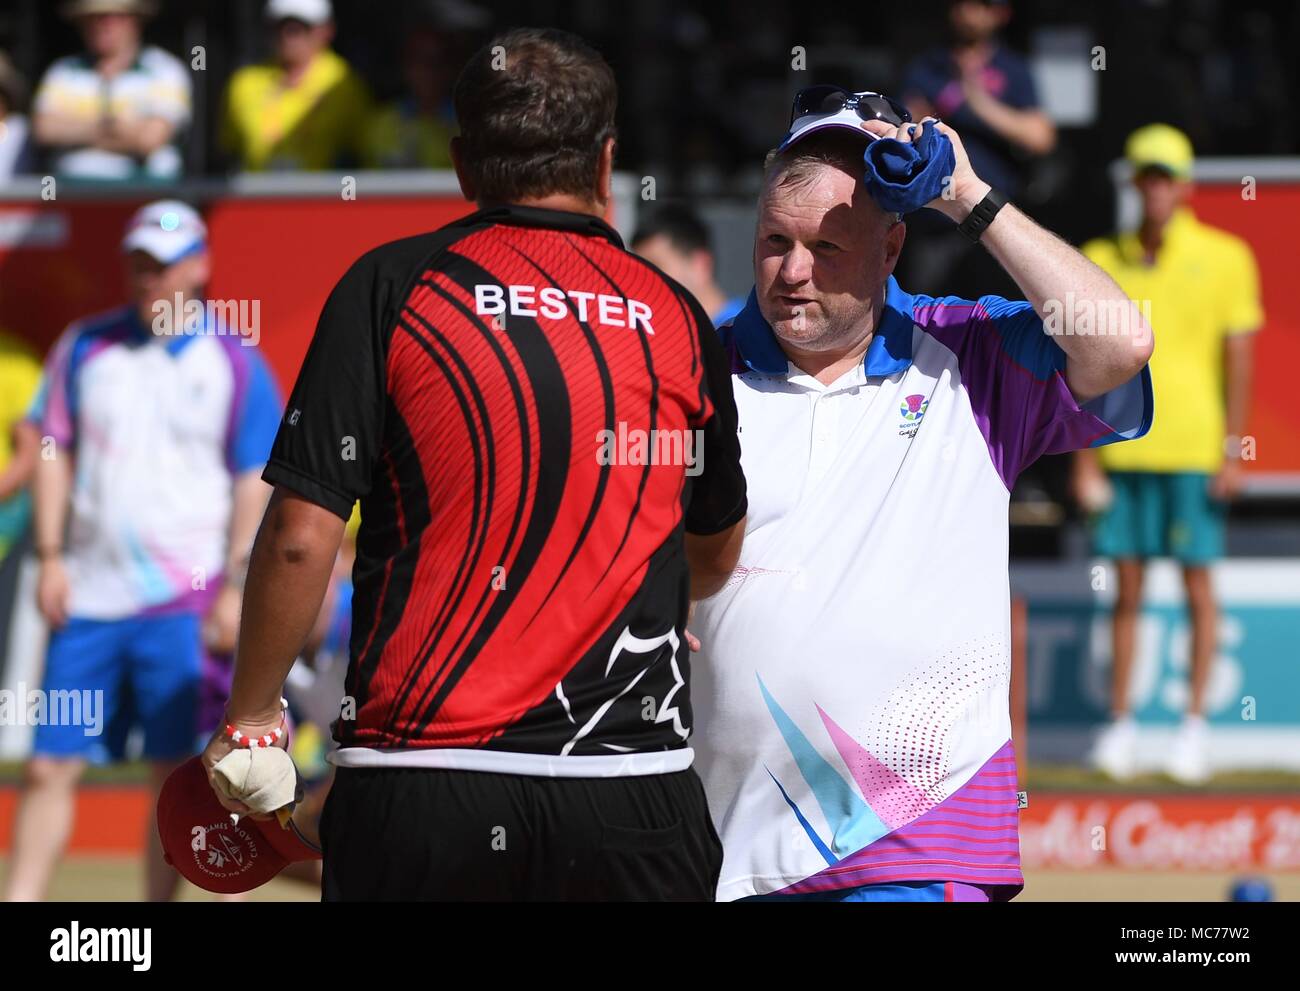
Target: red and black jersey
[{"x": 532, "y": 418}]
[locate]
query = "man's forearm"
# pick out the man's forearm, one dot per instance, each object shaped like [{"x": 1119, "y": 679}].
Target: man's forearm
[
  {"x": 139, "y": 138},
  {"x": 288, "y": 572},
  {"x": 1239, "y": 362},
  {"x": 712, "y": 559},
  {"x": 1031, "y": 130},
  {"x": 51, "y": 490},
  {"x": 55, "y": 130},
  {"x": 1100, "y": 329},
  {"x": 250, "y": 497}
]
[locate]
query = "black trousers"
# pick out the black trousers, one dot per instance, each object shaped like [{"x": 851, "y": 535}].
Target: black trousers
[{"x": 403, "y": 834}]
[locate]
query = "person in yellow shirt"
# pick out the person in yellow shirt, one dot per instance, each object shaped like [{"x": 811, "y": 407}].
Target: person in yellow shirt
[
  {"x": 307, "y": 109},
  {"x": 20, "y": 377},
  {"x": 1165, "y": 495},
  {"x": 415, "y": 131}
]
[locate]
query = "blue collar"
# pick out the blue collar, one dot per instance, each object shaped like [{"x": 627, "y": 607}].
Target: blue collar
[
  {"x": 890, "y": 349},
  {"x": 140, "y": 333}
]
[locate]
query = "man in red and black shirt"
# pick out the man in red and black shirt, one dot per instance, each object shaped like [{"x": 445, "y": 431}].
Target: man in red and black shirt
[{"x": 541, "y": 430}]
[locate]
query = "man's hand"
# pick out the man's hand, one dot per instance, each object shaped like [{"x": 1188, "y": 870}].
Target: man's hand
[
  {"x": 1228, "y": 483},
  {"x": 692, "y": 641},
  {"x": 221, "y": 625},
  {"x": 964, "y": 189},
  {"x": 970, "y": 68},
  {"x": 220, "y": 745},
  {"x": 52, "y": 591},
  {"x": 1089, "y": 485}
]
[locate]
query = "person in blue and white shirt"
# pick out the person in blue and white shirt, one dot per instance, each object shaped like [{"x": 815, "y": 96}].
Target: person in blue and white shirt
[
  {"x": 156, "y": 423},
  {"x": 851, "y": 694}
]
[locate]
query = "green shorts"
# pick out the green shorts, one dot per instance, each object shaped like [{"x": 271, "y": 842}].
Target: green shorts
[
  {"x": 15, "y": 513},
  {"x": 1161, "y": 514}
]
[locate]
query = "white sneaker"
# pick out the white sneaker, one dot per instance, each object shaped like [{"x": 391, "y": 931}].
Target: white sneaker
[
  {"x": 1113, "y": 751},
  {"x": 1188, "y": 761}
]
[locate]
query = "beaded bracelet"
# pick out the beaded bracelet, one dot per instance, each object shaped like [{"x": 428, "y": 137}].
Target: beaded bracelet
[{"x": 266, "y": 740}]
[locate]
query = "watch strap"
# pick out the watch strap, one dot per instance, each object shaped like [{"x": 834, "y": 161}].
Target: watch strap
[{"x": 982, "y": 215}]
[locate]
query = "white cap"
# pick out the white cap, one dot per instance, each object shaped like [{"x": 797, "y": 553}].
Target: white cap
[
  {"x": 308, "y": 11},
  {"x": 812, "y": 123},
  {"x": 845, "y": 118},
  {"x": 166, "y": 229}
]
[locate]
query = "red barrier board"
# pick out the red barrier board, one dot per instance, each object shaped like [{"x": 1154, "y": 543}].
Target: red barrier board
[
  {"x": 61, "y": 261},
  {"x": 288, "y": 254},
  {"x": 1267, "y": 224},
  {"x": 108, "y": 820}
]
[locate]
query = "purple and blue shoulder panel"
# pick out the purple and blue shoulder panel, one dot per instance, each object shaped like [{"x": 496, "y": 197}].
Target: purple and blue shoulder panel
[
  {"x": 1011, "y": 368},
  {"x": 54, "y": 408},
  {"x": 256, "y": 407},
  {"x": 1014, "y": 374}
]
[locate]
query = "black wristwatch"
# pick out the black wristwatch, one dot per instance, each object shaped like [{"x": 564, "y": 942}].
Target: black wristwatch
[{"x": 980, "y": 217}]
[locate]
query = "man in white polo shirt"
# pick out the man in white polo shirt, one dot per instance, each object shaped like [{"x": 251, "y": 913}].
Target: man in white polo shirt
[
  {"x": 853, "y": 732},
  {"x": 157, "y": 422}
]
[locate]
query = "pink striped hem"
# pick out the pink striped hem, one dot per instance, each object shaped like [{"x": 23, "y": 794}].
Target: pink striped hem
[
  {"x": 912, "y": 860},
  {"x": 961, "y": 824},
  {"x": 986, "y": 840},
  {"x": 905, "y": 851},
  {"x": 952, "y": 836},
  {"x": 948, "y": 810}
]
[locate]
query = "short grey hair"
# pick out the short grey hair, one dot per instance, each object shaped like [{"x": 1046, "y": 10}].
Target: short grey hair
[{"x": 799, "y": 165}]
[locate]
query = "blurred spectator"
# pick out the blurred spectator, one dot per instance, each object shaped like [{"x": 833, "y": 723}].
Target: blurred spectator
[
  {"x": 677, "y": 242},
  {"x": 115, "y": 111},
  {"x": 170, "y": 421},
  {"x": 15, "y": 132},
  {"x": 1166, "y": 494},
  {"x": 415, "y": 131},
  {"x": 984, "y": 90},
  {"x": 20, "y": 375},
  {"x": 305, "y": 109}
]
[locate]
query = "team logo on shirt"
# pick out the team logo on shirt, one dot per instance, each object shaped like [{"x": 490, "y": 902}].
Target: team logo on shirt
[{"x": 913, "y": 409}]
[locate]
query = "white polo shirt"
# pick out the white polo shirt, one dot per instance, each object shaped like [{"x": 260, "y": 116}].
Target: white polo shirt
[
  {"x": 851, "y": 696},
  {"x": 159, "y": 428}
]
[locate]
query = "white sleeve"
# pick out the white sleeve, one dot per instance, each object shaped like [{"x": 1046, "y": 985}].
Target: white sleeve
[{"x": 169, "y": 88}]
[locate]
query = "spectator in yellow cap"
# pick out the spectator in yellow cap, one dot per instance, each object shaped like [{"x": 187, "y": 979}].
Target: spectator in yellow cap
[{"x": 1165, "y": 495}]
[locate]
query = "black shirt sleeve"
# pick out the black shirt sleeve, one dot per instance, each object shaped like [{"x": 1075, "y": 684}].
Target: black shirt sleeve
[
  {"x": 718, "y": 495},
  {"x": 329, "y": 440}
]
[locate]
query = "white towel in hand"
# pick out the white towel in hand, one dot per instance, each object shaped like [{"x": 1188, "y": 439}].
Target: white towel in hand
[{"x": 263, "y": 778}]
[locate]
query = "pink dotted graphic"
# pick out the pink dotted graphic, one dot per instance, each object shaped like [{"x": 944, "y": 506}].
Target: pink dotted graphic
[{"x": 903, "y": 768}]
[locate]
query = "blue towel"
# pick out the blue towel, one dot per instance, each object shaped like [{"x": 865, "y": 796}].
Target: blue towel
[{"x": 903, "y": 176}]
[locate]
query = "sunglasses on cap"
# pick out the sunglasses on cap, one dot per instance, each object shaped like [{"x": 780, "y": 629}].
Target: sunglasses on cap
[{"x": 826, "y": 100}]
